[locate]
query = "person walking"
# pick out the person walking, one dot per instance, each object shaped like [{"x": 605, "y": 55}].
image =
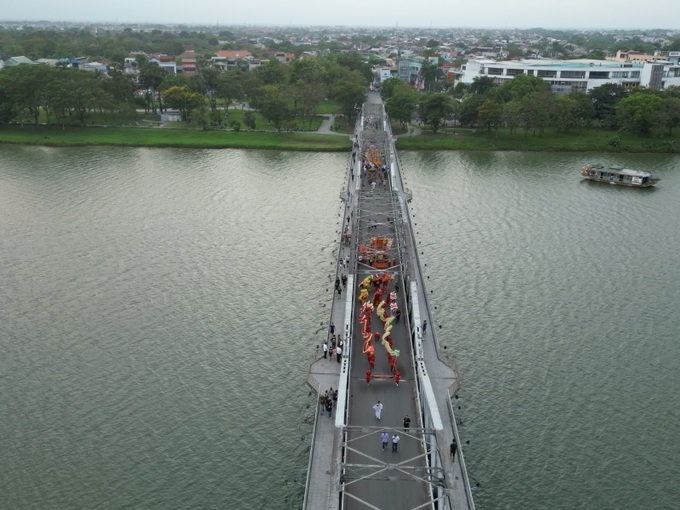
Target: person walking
[
  {"x": 395, "y": 442},
  {"x": 338, "y": 353},
  {"x": 424, "y": 327},
  {"x": 407, "y": 423},
  {"x": 329, "y": 406},
  {"x": 325, "y": 349},
  {"x": 378, "y": 407},
  {"x": 452, "y": 448},
  {"x": 384, "y": 438},
  {"x": 331, "y": 328}
]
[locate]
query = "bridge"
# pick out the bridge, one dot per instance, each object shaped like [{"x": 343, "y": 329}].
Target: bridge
[{"x": 389, "y": 355}]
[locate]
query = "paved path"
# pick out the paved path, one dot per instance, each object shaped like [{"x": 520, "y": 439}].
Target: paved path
[{"x": 327, "y": 124}]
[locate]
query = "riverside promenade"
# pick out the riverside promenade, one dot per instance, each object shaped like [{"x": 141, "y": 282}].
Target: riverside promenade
[{"x": 348, "y": 467}]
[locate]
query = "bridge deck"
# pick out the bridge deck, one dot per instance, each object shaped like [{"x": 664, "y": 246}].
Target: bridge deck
[{"x": 348, "y": 467}]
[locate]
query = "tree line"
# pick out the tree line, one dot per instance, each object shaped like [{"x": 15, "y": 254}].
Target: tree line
[
  {"x": 526, "y": 104},
  {"x": 285, "y": 95}
]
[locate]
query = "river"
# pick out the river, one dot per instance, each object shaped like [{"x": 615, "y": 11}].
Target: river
[{"x": 159, "y": 309}]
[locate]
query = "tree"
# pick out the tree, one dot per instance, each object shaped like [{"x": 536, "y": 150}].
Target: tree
[
  {"x": 584, "y": 110},
  {"x": 459, "y": 90},
  {"x": 512, "y": 115},
  {"x": 249, "y": 119},
  {"x": 81, "y": 92},
  {"x": 210, "y": 79},
  {"x": 229, "y": 87},
  {"x": 604, "y": 99},
  {"x": 389, "y": 87},
  {"x": 272, "y": 73},
  {"x": 522, "y": 85},
  {"x": 565, "y": 115},
  {"x": 670, "y": 113},
  {"x": 24, "y": 87},
  {"x": 482, "y": 84},
  {"x": 306, "y": 69},
  {"x": 489, "y": 113},
  {"x": 640, "y": 114},
  {"x": 434, "y": 109},
  {"x": 151, "y": 75},
  {"x": 402, "y": 106},
  {"x": 350, "y": 96},
  {"x": 273, "y": 107},
  {"x": 536, "y": 108},
  {"x": 184, "y": 99},
  {"x": 355, "y": 62},
  {"x": 308, "y": 95},
  {"x": 469, "y": 108},
  {"x": 431, "y": 74},
  {"x": 200, "y": 117}
]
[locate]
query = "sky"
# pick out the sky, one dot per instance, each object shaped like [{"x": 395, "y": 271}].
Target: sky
[{"x": 505, "y": 14}]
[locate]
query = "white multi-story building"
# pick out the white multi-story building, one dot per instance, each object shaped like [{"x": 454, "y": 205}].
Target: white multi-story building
[{"x": 565, "y": 76}]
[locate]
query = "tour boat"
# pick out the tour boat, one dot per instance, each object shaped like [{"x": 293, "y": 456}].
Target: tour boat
[{"x": 619, "y": 176}]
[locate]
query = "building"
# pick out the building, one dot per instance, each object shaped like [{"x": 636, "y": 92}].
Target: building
[
  {"x": 386, "y": 73},
  {"x": 637, "y": 56},
  {"x": 167, "y": 62},
  {"x": 226, "y": 60},
  {"x": 284, "y": 58},
  {"x": 17, "y": 61},
  {"x": 95, "y": 66},
  {"x": 409, "y": 68},
  {"x": 566, "y": 76}
]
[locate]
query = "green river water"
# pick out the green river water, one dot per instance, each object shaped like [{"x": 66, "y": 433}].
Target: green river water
[{"x": 159, "y": 310}]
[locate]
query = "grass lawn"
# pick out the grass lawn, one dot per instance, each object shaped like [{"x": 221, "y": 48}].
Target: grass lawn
[
  {"x": 327, "y": 107},
  {"x": 341, "y": 125},
  {"x": 550, "y": 141},
  {"x": 151, "y": 134},
  {"x": 164, "y": 137}
]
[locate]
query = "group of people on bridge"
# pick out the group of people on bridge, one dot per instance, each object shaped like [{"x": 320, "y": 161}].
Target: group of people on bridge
[{"x": 384, "y": 303}]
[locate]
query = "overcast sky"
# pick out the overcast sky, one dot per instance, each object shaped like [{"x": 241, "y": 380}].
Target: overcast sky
[{"x": 586, "y": 14}]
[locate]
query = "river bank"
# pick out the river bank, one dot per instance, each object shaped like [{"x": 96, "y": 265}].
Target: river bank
[
  {"x": 168, "y": 137},
  {"x": 594, "y": 140},
  {"x": 458, "y": 139}
]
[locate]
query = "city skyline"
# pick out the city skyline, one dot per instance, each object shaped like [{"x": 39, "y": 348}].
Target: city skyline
[{"x": 579, "y": 14}]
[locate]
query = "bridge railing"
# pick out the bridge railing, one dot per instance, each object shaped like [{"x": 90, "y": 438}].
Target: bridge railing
[{"x": 311, "y": 454}]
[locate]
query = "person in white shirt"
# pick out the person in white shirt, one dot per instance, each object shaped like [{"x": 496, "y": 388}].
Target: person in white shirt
[
  {"x": 395, "y": 442},
  {"x": 378, "y": 407}
]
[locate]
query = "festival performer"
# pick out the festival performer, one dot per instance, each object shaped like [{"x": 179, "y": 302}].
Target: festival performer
[
  {"x": 363, "y": 295},
  {"x": 365, "y": 283},
  {"x": 368, "y": 376},
  {"x": 397, "y": 377},
  {"x": 377, "y": 297},
  {"x": 380, "y": 311},
  {"x": 393, "y": 363}
]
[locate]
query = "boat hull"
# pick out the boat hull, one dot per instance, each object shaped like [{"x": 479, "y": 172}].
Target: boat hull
[
  {"x": 628, "y": 184},
  {"x": 619, "y": 176}
]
